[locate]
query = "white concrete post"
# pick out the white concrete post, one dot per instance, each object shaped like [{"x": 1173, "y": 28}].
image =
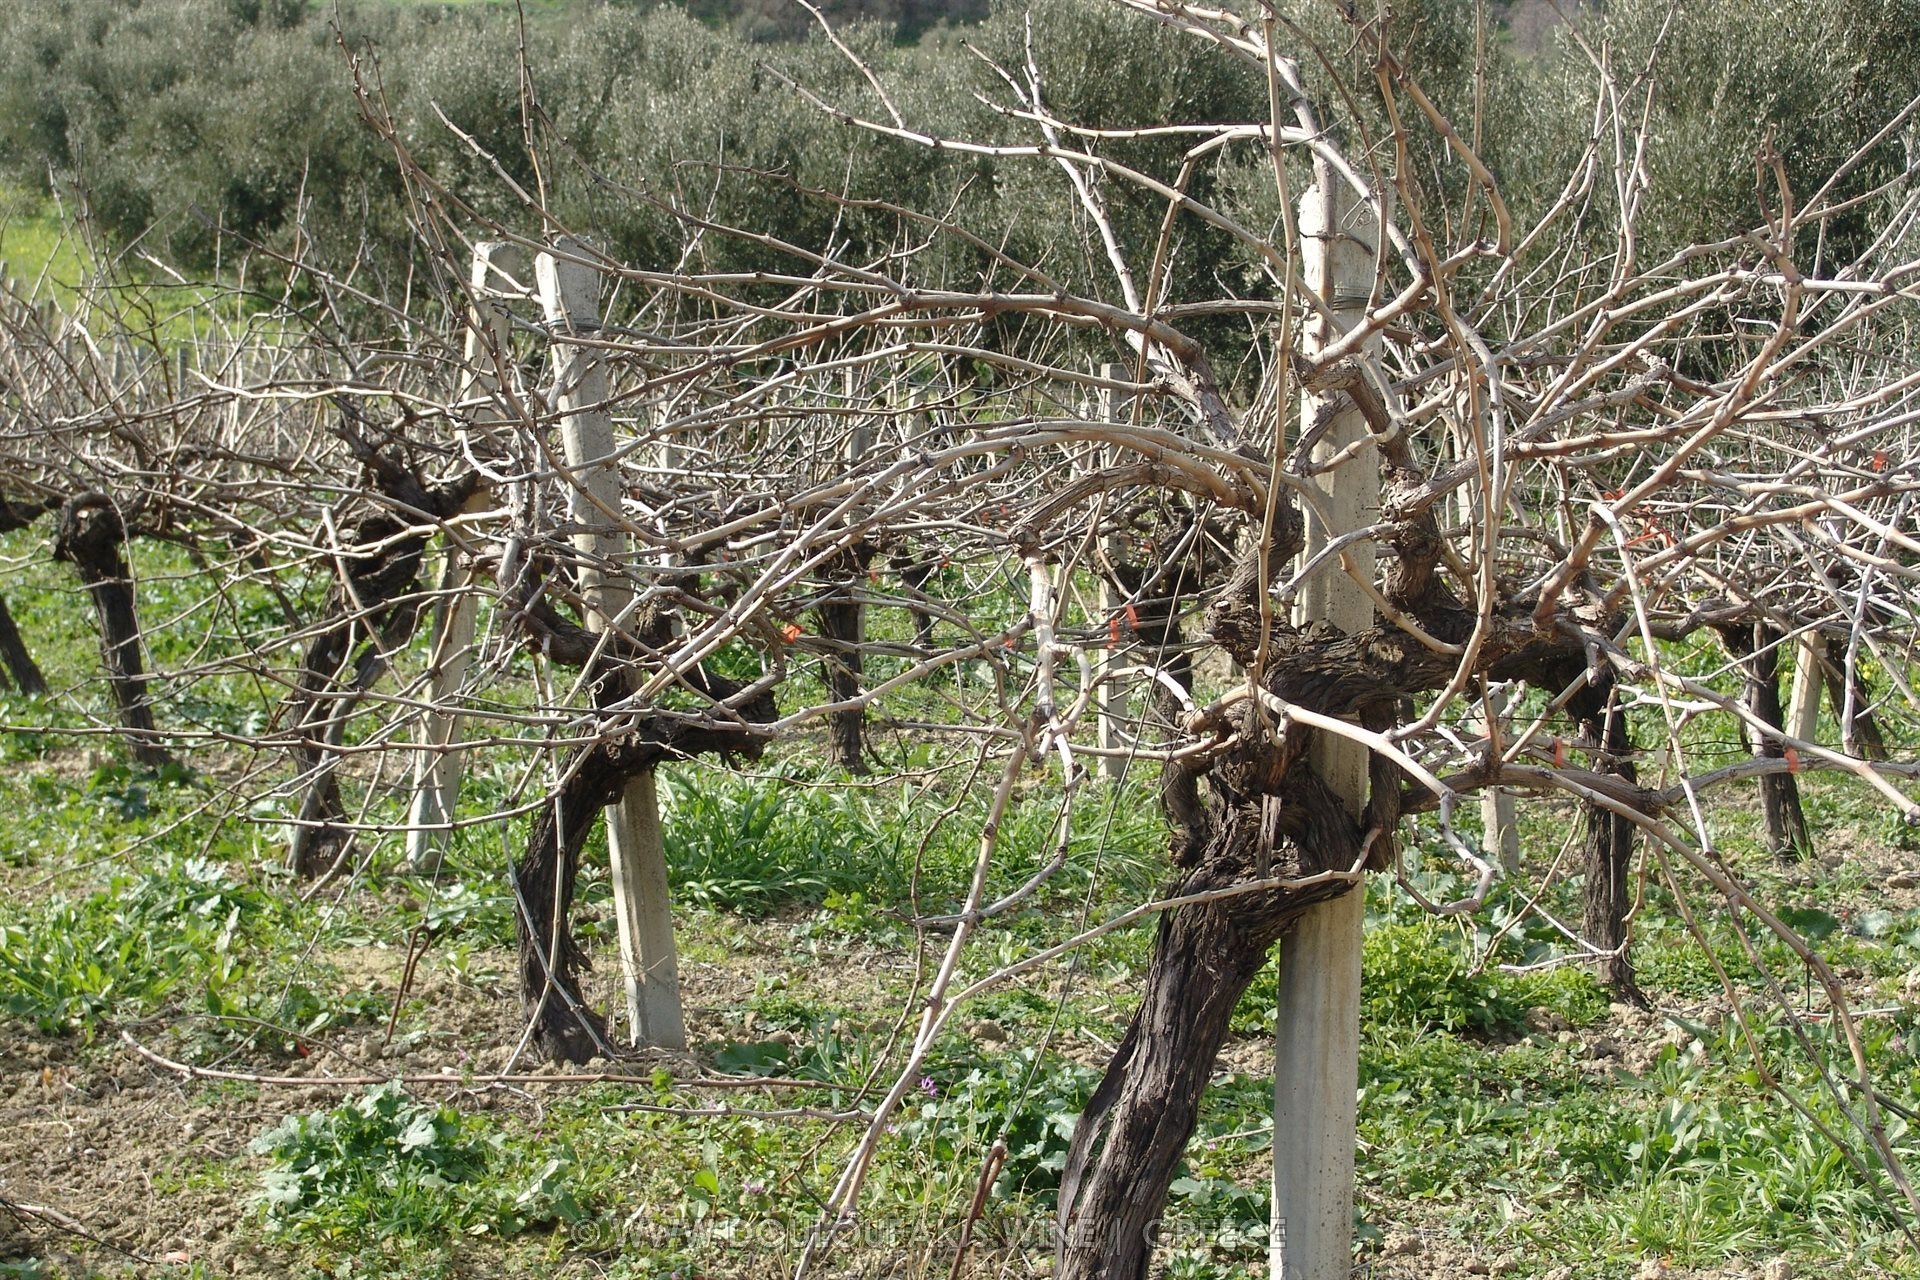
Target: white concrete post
[
  {"x": 1317, "y": 1058},
  {"x": 1809, "y": 680},
  {"x": 859, "y": 442},
  {"x": 1112, "y": 700},
  {"x": 1500, "y": 832},
  {"x": 570, "y": 296},
  {"x": 437, "y": 769}
]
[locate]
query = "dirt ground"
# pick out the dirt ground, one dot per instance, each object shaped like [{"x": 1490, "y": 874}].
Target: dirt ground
[
  {"x": 111, "y": 1164},
  {"x": 114, "y": 1164}
]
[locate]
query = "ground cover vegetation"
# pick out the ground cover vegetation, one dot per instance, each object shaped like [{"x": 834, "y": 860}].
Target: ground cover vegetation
[{"x": 955, "y": 368}]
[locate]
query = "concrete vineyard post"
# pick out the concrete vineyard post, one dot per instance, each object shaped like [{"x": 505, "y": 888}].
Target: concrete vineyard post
[
  {"x": 570, "y": 296},
  {"x": 1316, "y": 1065},
  {"x": 438, "y": 767}
]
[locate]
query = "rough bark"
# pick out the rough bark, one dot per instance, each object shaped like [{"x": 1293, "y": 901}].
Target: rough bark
[
  {"x": 92, "y": 537},
  {"x": 1757, "y": 649},
  {"x": 1257, "y": 809},
  {"x": 565, "y": 1028},
  {"x": 1205, "y": 956},
  {"x": 1607, "y": 845},
  {"x": 1264, "y": 813}
]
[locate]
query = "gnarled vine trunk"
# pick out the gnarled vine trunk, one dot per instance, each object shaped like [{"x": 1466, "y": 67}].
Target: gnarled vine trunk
[
  {"x": 1757, "y": 648},
  {"x": 1607, "y": 845},
  {"x": 92, "y": 538},
  {"x": 1205, "y": 957},
  {"x": 551, "y": 961},
  {"x": 842, "y": 625},
  {"x": 374, "y": 608}
]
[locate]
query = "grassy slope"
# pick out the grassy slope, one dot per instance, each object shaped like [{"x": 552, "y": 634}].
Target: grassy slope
[{"x": 38, "y": 246}]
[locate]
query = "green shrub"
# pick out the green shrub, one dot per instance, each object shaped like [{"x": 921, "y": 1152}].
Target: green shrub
[
  {"x": 384, "y": 1165},
  {"x": 1418, "y": 975},
  {"x": 131, "y": 946}
]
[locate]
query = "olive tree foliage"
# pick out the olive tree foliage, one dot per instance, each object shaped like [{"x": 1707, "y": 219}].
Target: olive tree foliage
[
  {"x": 1021, "y": 357},
  {"x": 193, "y": 122},
  {"x": 1814, "y": 82}
]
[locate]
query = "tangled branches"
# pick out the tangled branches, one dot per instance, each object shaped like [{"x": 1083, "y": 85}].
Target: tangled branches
[{"x": 908, "y": 499}]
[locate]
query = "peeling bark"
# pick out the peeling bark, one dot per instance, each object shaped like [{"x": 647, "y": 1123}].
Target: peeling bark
[{"x": 1258, "y": 810}]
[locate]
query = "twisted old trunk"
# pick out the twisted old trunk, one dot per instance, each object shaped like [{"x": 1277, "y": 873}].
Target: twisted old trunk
[
  {"x": 374, "y": 606},
  {"x": 92, "y": 537},
  {"x": 1205, "y": 957},
  {"x": 1756, "y": 648},
  {"x": 373, "y": 609},
  {"x": 564, "y": 1026},
  {"x": 1253, "y": 822}
]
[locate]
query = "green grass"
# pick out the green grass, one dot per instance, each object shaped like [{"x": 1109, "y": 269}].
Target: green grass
[
  {"x": 1472, "y": 1125},
  {"x": 176, "y": 924},
  {"x": 132, "y": 903},
  {"x": 41, "y": 248},
  {"x": 50, "y": 260}
]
